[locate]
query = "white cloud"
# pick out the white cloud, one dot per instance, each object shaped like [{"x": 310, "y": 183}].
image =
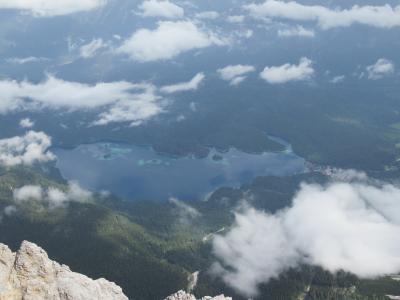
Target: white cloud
[
  {"x": 75, "y": 191},
  {"x": 349, "y": 175},
  {"x": 123, "y": 101},
  {"x": 50, "y": 8},
  {"x": 211, "y": 15},
  {"x": 236, "y": 19},
  {"x": 256, "y": 249},
  {"x": 247, "y": 33},
  {"x": 298, "y": 31},
  {"x": 25, "y": 60},
  {"x": 380, "y": 69},
  {"x": 54, "y": 92},
  {"x": 7, "y": 212},
  {"x": 338, "y": 79},
  {"x": 193, "y": 84},
  {"x": 161, "y": 8},
  {"x": 235, "y": 73},
  {"x": 136, "y": 109},
  {"x": 26, "y": 123},
  {"x": 56, "y": 197},
  {"x": 185, "y": 212},
  {"x": 27, "y": 192},
  {"x": 167, "y": 41},
  {"x": 237, "y": 80},
  {"x": 89, "y": 50},
  {"x": 180, "y": 118},
  {"x": 288, "y": 72},
  {"x": 353, "y": 227},
  {"x": 193, "y": 106},
  {"x": 53, "y": 197},
  {"x": 10, "y": 210},
  {"x": 384, "y": 16},
  {"x": 25, "y": 150}
]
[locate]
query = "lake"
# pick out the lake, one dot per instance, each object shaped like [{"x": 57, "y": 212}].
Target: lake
[{"x": 137, "y": 172}]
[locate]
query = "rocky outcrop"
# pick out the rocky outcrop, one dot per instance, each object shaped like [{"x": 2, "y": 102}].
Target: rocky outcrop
[
  {"x": 182, "y": 295},
  {"x": 30, "y": 275}
]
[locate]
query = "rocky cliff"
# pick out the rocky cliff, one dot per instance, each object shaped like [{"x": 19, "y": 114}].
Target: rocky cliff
[{"x": 30, "y": 275}]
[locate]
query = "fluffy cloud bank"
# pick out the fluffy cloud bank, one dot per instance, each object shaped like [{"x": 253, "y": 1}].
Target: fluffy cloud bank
[
  {"x": 50, "y": 8},
  {"x": 161, "y": 8},
  {"x": 384, "y": 16},
  {"x": 351, "y": 226},
  {"x": 191, "y": 85},
  {"x": 52, "y": 197},
  {"x": 288, "y": 72},
  {"x": 167, "y": 41},
  {"x": 380, "y": 69},
  {"x": 122, "y": 101},
  {"x": 235, "y": 74},
  {"x": 25, "y": 150}
]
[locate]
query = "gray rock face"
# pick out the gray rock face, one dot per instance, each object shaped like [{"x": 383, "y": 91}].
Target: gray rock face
[
  {"x": 30, "y": 275},
  {"x": 182, "y": 295}
]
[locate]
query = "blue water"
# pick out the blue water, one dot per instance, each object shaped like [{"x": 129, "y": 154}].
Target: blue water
[{"x": 135, "y": 172}]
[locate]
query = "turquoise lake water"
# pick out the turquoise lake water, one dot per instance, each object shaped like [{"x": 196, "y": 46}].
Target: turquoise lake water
[{"x": 136, "y": 172}]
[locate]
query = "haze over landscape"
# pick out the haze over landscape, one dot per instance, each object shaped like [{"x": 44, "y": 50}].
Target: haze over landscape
[{"x": 246, "y": 148}]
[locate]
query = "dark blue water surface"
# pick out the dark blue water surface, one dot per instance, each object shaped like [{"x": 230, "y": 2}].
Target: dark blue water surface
[{"x": 136, "y": 172}]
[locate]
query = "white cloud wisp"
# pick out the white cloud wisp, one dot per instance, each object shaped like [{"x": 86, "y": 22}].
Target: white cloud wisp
[
  {"x": 122, "y": 101},
  {"x": 191, "y": 85},
  {"x": 384, "y": 16},
  {"x": 31, "y": 148},
  {"x": 351, "y": 226},
  {"x": 53, "y": 197},
  {"x": 161, "y": 8},
  {"x": 383, "y": 67},
  {"x": 90, "y": 49},
  {"x": 167, "y": 41},
  {"x": 288, "y": 72},
  {"x": 298, "y": 31},
  {"x": 235, "y": 74},
  {"x": 26, "y": 123},
  {"x": 51, "y": 8}
]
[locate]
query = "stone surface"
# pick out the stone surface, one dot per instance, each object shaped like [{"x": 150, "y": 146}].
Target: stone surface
[
  {"x": 182, "y": 295},
  {"x": 29, "y": 274}
]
